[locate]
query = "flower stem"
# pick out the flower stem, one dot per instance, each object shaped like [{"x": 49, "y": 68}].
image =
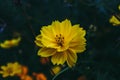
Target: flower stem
[{"x": 60, "y": 73}]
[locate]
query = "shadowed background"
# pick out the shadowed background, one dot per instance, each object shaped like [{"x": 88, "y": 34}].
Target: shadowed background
[{"x": 100, "y": 61}]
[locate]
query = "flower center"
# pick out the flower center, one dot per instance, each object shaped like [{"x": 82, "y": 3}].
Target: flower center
[
  {"x": 9, "y": 70},
  {"x": 59, "y": 40}
]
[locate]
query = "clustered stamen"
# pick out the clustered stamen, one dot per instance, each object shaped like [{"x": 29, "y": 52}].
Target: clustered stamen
[{"x": 60, "y": 40}]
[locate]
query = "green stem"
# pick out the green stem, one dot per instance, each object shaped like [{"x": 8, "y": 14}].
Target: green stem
[{"x": 60, "y": 73}]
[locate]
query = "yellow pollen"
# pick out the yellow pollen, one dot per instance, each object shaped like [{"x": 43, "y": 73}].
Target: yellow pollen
[{"x": 59, "y": 40}]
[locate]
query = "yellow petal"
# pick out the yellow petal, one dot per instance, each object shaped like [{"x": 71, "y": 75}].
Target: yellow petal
[
  {"x": 47, "y": 32},
  {"x": 39, "y": 37},
  {"x": 74, "y": 31},
  {"x": 10, "y": 43},
  {"x": 7, "y": 42},
  {"x": 3, "y": 67},
  {"x": 71, "y": 58},
  {"x": 65, "y": 27},
  {"x": 38, "y": 43},
  {"x": 9, "y": 64},
  {"x": 46, "y": 52},
  {"x": 4, "y": 46},
  {"x": 114, "y": 21},
  {"x": 15, "y": 42},
  {"x": 12, "y": 74},
  {"x": 78, "y": 44},
  {"x": 48, "y": 39},
  {"x": 79, "y": 48},
  {"x": 56, "y": 69},
  {"x": 56, "y": 27},
  {"x": 63, "y": 48},
  {"x": 78, "y": 30},
  {"x": 1, "y": 72},
  {"x": 59, "y": 58},
  {"x": 48, "y": 43},
  {"x": 5, "y": 75}
]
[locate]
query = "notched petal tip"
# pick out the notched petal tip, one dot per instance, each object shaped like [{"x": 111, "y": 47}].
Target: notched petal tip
[
  {"x": 46, "y": 52},
  {"x": 59, "y": 58}
]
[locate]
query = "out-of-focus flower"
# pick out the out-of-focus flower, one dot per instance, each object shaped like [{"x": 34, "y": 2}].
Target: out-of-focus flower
[
  {"x": 62, "y": 41},
  {"x": 11, "y": 69},
  {"x": 55, "y": 70},
  {"x": 26, "y": 77},
  {"x": 39, "y": 76},
  {"x": 44, "y": 60},
  {"x": 10, "y": 43},
  {"x": 119, "y": 7},
  {"x": 92, "y": 28},
  {"x": 23, "y": 72},
  {"x": 114, "y": 21},
  {"x": 82, "y": 78}
]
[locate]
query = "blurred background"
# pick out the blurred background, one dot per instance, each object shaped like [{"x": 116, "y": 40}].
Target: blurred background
[{"x": 100, "y": 61}]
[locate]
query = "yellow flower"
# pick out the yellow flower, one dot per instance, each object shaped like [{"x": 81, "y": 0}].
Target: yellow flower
[
  {"x": 114, "y": 21},
  {"x": 61, "y": 41},
  {"x": 10, "y": 43},
  {"x": 11, "y": 69},
  {"x": 56, "y": 69}
]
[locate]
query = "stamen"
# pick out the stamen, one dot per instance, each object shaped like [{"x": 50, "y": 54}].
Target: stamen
[
  {"x": 59, "y": 40},
  {"x": 56, "y": 35},
  {"x": 60, "y": 34}
]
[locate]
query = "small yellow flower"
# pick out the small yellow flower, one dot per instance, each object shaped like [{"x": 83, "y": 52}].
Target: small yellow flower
[
  {"x": 10, "y": 43},
  {"x": 11, "y": 69},
  {"x": 61, "y": 41},
  {"x": 56, "y": 69},
  {"x": 114, "y": 21}
]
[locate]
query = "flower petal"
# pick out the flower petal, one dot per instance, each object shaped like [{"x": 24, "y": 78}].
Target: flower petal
[
  {"x": 71, "y": 58},
  {"x": 47, "y": 36},
  {"x": 59, "y": 58},
  {"x": 5, "y": 75},
  {"x": 56, "y": 27},
  {"x": 79, "y": 48},
  {"x": 77, "y": 30},
  {"x": 47, "y": 32},
  {"x": 48, "y": 39},
  {"x": 46, "y": 52},
  {"x": 39, "y": 37},
  {"x": 10, "y": 64},
  {"x": 48, "y": 43},
  {"x": 65, "y": 27},
  {"x": 114, "y": 21},
  {"x": 38, "y": 43},
  {"x": 3, "y": 67},
  {"x": 72, "y": 34},
  {"x": 6, "y": 46},
  {"x": 78, "y": 43}
]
